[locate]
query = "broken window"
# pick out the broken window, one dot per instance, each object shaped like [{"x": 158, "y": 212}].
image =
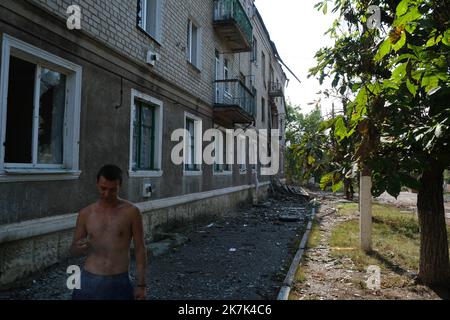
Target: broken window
[
  {"x": 35, "y": 114},
  {"x": 19, "y": 123},
  {"x": 51, "y": 117},
  {"x": 41, "y": 129}
]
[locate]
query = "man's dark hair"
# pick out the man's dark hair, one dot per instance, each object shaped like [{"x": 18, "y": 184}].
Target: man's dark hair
[{"x": 110, "y": 172}]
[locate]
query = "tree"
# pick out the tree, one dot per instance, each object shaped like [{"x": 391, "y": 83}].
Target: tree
[
  {"x": 315, "y": 152},
  {"x": 399, "y": 77},
  {"x": 307, "y": 147},
  {"x": 341, "y": 169}
]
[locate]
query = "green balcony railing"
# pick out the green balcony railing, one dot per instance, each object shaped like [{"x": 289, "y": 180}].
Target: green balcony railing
[
  {"x": 234, "y": 93},
  {"x": 229, "y": 10},
  {"x": 275, "y": 89}
]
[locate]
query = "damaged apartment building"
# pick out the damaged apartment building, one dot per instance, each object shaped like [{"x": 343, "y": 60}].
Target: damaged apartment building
[{"x": 113, "y": 89}]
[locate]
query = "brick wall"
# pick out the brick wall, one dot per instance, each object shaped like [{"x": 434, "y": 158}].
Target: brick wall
[{"x": 114, "y": 22}]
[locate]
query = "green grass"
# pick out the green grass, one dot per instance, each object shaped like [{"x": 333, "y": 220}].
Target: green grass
[
  {"x": 347, "y": 209},
  {"x": 300, "y": 276},
  {"x": 396, "y": 239},
  {"x": 314, "y": 237}
]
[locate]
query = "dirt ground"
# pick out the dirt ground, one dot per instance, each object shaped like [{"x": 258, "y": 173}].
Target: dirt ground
[
  {"x": 331, "y": 278},
  {"x": 244, "y": 255}
]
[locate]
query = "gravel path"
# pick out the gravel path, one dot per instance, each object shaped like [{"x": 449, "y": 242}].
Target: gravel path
[{"x": 244, "y": 255}]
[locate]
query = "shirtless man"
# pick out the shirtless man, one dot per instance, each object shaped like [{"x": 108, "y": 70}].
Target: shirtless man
[{"x": 104, "y": 232}]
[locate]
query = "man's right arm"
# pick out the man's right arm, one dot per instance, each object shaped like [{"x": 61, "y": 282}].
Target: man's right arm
[{"x": 80, "y": 246}]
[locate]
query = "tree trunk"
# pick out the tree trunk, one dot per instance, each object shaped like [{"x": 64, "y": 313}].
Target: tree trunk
[
  {"x": 348, "y": 186},
  {"x": 352, "y": 190},
  {"x": 434, "y": 267}
]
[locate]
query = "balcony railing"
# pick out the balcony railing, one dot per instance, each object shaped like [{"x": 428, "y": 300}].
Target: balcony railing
[
  {"x": 233, "y": 25},
  {"x": 234, "y": 102},
  {"x": 275, "y": 89}
]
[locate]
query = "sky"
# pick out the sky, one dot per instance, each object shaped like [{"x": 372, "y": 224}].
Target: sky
[{"x": 298, "y": 32}]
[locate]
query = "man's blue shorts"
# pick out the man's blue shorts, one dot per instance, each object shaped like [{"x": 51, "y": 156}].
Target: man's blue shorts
[{"x": 95, "y": 287}]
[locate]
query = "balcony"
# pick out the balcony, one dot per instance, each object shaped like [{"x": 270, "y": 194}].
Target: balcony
[
  {"x": 275, "y": 90},
  {"x": 233, "y": 25},
  {"x": 234, "y": 103}
]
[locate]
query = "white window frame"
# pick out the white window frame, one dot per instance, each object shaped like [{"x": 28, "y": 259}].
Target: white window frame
[
  {"x": 220, "y": 155},
  {"x": 217, "y": 65},
  {"x": 197, "y": 60},
  {"x": 73, "y": 72},
  {"x": 158, "y": 16},
  {"x": 254, "y": 57},
  {"x": 226, "y": 76},
  {"x": 198, "y": 145},
  {"x": 217, "y": 76},
  {"x": 159, "y": 121}
]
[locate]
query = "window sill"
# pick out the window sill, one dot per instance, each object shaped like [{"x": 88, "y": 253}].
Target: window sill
[
  {"x": 31, "y": 175},
  {"x": 145, "y": 174},
  {"x": 223, "y": 173},
  {"x": 194, "y": 67},
  {"x": 150, "y": 36},
  {"x": 192, "y": 173}
]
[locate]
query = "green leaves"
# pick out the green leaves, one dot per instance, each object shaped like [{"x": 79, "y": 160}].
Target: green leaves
[
  {"x": 413, "y": 14},
  {"x": 333, "y": 179},
  {"x": 433, "y": 41},
  {"x": 326, "y": 180},
  {"x": 430, "y": 136},
  {"x": 409, "y": 181},
  {"x": 397, "y": 90},
  {"x": 323, "y": 5},
  {"x": 399, "y": 73},
  {"x": 393, "y": 186},
  {"x": 430, "y": 83},
  {"x": 446, "y": 38},
  {"x": 309, "y": 145},
  {"x": 400, "y": 43},
  {"x": 337, "y": 186},
  {"x": 385, "y": 48},
  {"x": 361, "y": 101},
  {"x": 402, "y": 7},
  {"x": 340, "y": 130},
  {"x": 411, "y": 87}
]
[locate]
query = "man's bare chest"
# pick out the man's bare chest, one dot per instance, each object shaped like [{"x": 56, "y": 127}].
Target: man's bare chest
[{"x": 101, "y": 227}]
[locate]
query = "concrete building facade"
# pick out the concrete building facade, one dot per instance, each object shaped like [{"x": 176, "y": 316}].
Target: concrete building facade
[{"x": 114, "y": 89}]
